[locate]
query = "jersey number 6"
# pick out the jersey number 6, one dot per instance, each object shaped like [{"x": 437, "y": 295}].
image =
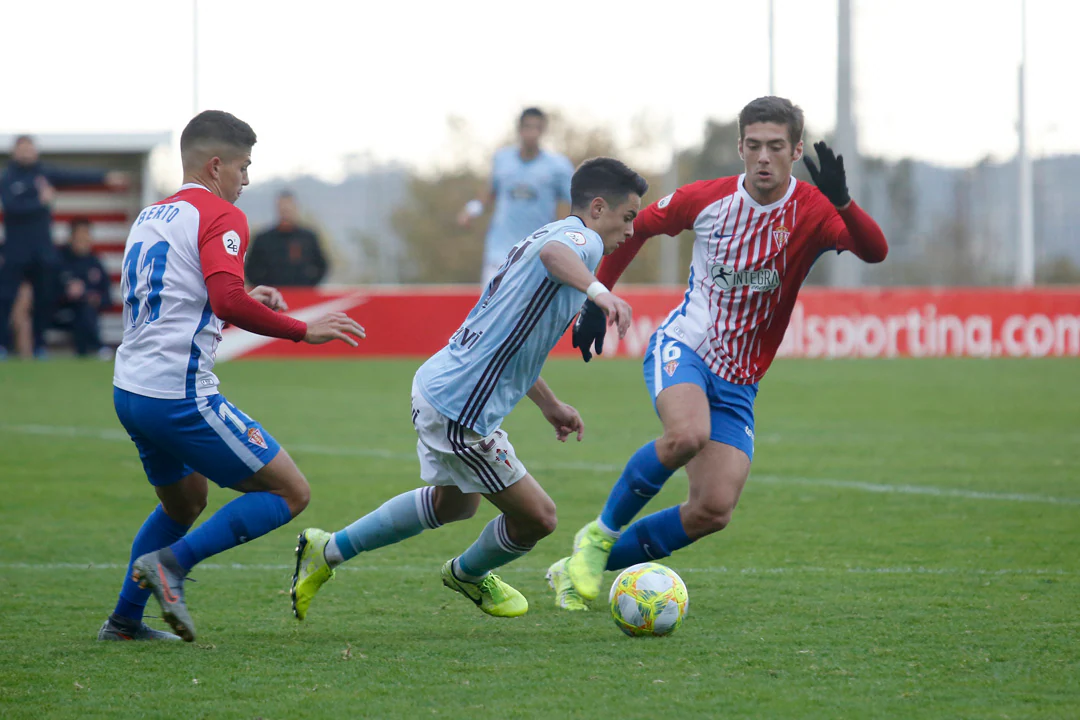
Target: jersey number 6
[{"x": 143, "y": 281}]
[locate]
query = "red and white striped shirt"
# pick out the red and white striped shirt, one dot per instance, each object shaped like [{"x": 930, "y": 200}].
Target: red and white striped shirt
[{"x": 749, "y": 262}]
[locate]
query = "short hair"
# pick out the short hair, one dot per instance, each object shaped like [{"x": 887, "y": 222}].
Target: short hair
[
  {"x": 23, "y": 138},
  {"x": 286, "y": 193},
  {"x": 607, "y": 178},
  {"x": 78, "y": 222},
  {"x": 532, "y": 112},
  {"x": 772, "y": 109},
  {"x": 216, "y": 128}
]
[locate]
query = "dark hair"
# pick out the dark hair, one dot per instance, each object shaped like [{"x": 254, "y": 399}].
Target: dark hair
[
  {"x": 23, "y": 138},
  {"x": 286, "y": 193},
  {"x": 218, "y": 128},
  {"x": 78, "y": 222},
  {"x": 772, "y": 109},
  {"x": 607, "y": 178},
  {"x": 531, "y": 112}
]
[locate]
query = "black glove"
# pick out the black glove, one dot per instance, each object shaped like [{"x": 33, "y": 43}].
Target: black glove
[
  {"x": 590, "y": 327},
  {"x": 831, "y": 178}
]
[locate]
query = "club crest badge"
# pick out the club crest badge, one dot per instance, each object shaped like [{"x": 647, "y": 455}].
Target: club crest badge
[
  {"x": 255, "y": 437},
  {"x": 780, "y": 235},
  {"x": 502, "y": 456},
  {"x": 671, "y": 367}
]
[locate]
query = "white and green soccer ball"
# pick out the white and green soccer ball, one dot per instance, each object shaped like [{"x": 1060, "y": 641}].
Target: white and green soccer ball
[{"x": 648, "y": 599}]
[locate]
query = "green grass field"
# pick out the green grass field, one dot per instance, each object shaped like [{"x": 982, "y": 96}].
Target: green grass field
[{"x": 908, "y": 546}]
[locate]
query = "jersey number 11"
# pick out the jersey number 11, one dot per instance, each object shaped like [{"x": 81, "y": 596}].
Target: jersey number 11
[{"x": 143, "y": 281}]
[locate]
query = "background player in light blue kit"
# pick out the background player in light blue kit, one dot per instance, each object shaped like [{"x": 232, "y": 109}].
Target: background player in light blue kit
[
  {"x": 529, "y": 188},
  {"x": 461, "y": 395}
]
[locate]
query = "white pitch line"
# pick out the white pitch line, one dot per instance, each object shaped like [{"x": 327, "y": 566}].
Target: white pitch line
[
  {"x": 382, "y": 453},
  {"x": 522, "y": 569}
]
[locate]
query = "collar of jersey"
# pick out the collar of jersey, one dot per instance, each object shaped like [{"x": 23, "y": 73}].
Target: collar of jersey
[
  {"x": 190, "y": 186},
  {"x": 765, "y": 208}
]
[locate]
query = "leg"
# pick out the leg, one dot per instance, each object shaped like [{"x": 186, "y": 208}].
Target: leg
[
  {"x": 528, "y": 516},
  {"x": 84, "y": 328},
  {"x": 182, "y": 496},
  {"x": 22, "y": 331},
  {"x": 717, "y": 476},
  {"x": 272, "y": 496},
  {"x": 43, "y": 275},
  {"x": 181, "y": 504},
  {"x": 684, "y": 412},
  {"x": 400, "y": 518},
  {"x": 12, "y": 272}
]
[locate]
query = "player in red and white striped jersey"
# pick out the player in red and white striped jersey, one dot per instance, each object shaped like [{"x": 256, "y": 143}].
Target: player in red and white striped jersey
[
  {"x": 183, "y": 279},
  {"x": 756, "y": 237}
]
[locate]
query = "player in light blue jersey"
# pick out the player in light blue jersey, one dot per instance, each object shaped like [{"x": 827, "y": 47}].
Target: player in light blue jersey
[
  {"x": 461, "y": 395},
  {"x": 529, "y": 188}
]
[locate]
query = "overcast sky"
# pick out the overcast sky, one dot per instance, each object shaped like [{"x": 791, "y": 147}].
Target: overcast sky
[{"x": 934, "y": 79}]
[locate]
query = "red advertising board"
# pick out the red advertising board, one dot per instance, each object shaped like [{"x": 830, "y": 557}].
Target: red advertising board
[{"x": 907, "y": 322}]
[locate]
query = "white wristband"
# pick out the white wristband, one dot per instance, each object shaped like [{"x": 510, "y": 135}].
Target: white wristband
[
  {"x": 474, "y": 208},
  {"x": 597, "y": 288}
]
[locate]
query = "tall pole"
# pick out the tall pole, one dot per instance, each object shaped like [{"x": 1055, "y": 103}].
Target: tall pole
[
  {"x": 772, "y": 52},
  {"x": 194, "y": 57},
  {"x": 846, "y": 271},
  {"x": 669, "y": 249},
  {"x": 1025, "y": 266}
]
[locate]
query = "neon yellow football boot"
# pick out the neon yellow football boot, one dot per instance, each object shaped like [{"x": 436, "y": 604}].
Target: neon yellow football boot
[
  {"x": 312, "y": 570},
  {"x": 586, "y": 565},
  {"x": 491, "y": 594},
  {"x": 566, "y": 597}
]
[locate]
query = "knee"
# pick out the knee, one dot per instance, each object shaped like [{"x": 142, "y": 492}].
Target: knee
[
  {"x": 708, "y": 517},
  {"x": 680, "y": 445},
  {"x": 298, "y": 496},
  {"x": 540, "y": 523},
  {"x": 187, "y": 511}
]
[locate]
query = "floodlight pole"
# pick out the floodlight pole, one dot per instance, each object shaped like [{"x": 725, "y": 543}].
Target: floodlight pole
[
  {"x": 772, "y": 52},
  {"x": 1025, "y": 266},
  {"x": 846, "y": 271},
  {"x": 194, "y": 57}
]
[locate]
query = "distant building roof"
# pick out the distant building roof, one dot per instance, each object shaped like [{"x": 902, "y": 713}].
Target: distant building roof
[{"x": 91, "y": 142}]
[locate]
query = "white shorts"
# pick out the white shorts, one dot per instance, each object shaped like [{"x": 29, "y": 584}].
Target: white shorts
[{"x": 454, "y": 455}]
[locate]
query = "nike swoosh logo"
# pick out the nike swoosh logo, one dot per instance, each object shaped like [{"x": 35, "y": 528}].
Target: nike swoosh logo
[
  {"x": 721, "y": 237},
  {"x": 165, "y": 589}
]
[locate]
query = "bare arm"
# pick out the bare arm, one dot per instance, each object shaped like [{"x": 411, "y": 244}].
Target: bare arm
[
  {"x": 564, "y": 418},
  {"x": 565, "y": 266}
]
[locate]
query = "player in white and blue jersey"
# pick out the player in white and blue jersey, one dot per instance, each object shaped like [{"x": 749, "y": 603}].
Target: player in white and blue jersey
[
  {"x": 528, "y": 185},
  {"x": 461, "y": 395},
  {"x": 183, "y": 278}
]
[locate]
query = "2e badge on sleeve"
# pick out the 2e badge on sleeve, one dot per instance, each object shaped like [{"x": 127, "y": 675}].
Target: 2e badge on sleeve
[{"x": 231, "y": 240}]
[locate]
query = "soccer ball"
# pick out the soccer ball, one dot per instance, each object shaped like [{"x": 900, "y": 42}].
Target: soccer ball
[{"x": 648, "y": 599}]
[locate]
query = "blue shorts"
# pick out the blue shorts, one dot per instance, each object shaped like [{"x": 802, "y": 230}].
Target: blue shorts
[
  {"x": 207, "y": 435},
  {"x": 731, "y": 405}
]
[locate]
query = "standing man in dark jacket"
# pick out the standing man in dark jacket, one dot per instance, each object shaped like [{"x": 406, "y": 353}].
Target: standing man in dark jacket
[
  {"x": 288, "y": 254},
  {"x": 84, "y": 287},
  {"x": 27, "y": 191}
]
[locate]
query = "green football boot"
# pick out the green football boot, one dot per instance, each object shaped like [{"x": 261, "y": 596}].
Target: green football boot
[
  {"x": 566, "y": 597},
  {"x": 587, "y": 563},
  {"x": 312, "y": 570},
  {"x": 491, "y": 594}
]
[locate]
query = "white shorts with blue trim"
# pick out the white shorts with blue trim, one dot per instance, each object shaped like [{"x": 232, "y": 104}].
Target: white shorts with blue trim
[
  {"x": 670, "y": 362},
  {"x": 451, "y": 454},
  {"x": 208, "y": 435}
]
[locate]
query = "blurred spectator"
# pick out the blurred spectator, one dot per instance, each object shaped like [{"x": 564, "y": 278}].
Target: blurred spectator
[
  {"x": 27, "y": 191},
  {"x": 84, "y": 291},
  {"x": 530, "y": 187},
  {"x": 288, "y": 254},
  {"x": 22, "y": 333}
]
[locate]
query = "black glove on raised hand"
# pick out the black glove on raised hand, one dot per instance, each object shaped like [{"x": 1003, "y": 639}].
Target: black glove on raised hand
[
  {"x": 590, "y": 327},
  {"x": 831, "y": 178}
]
